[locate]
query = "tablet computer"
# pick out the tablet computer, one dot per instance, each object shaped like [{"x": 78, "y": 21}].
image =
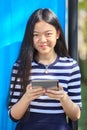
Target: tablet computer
[{"x": 46, "y": 83}]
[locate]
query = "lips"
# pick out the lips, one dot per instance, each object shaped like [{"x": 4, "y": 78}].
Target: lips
[{"x": 43, "y": 46}]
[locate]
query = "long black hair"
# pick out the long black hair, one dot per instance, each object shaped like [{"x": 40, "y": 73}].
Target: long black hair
[{"x": 28, "y": 52}]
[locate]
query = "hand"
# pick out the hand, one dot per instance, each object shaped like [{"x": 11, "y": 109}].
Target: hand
[
  {"x": 33, "y": 93},
  {"x": 58, "y": 94}
]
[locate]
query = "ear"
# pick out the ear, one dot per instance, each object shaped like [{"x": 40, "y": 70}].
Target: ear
[{"x": 58, "y": 34}]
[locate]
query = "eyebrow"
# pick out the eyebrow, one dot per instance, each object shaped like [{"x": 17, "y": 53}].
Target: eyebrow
[{"x": 44, "y": 31}]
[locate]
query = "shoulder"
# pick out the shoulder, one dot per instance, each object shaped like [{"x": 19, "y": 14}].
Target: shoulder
[
  {"x": 16, "y": 64},
  {"x": 68, "y": 60},
  {"x": 69, "y": 63},
  {"x": 15, "y": 67},
  {"x": 34, "y": 63}
]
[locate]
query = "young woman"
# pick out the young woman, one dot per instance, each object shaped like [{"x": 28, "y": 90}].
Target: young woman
[{"x": 44, "y": 55}]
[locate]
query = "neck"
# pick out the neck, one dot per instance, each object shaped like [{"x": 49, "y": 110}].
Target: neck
[{"x": 47, "y": 59}]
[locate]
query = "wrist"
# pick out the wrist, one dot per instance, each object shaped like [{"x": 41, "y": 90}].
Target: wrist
[
  {"x": 25, "y": 97},
  {"x": 64, "y": 98}
]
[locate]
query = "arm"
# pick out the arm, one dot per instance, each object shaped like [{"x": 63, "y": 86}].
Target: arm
[
  {"x": 71, "y": 109},
  {"x": 70, "y": 101},
  {"x": 18, "y": 109},
  {"x": 18, "y": 106}
]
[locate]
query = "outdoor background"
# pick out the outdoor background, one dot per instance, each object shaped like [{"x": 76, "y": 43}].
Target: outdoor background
[
  {"x": 82, "y": 51},
  {"x": 13, "y": 18}
]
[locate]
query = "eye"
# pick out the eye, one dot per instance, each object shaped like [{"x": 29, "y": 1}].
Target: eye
[
  {"x": 48, "y": 34},
  {"x": 35, "y": 34}
]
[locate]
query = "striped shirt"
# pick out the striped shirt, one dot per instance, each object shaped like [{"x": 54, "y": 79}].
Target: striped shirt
[{"x": 65, "y": 70}]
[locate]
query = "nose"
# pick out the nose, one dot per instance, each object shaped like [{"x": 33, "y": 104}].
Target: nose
[{"x": 43, "y": 38}]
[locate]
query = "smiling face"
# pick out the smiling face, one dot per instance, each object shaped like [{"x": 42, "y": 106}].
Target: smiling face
[{"x": 44, "y": 37}]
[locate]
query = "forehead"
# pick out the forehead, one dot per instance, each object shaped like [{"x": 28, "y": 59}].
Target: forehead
[{"x": 43, "y": 26}]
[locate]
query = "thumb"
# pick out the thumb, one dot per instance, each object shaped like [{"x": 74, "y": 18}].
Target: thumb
[
  {"x": 60, "y": 87},
  {"x": 28, "y": 87}
]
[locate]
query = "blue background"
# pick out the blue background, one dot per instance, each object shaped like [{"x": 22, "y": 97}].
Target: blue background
[{"x": 14, "y": 15}]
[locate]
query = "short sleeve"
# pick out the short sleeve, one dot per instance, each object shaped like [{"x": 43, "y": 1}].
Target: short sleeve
[
  {"x": 74, "y": 85},
  {"x": 15, "y": 86}
]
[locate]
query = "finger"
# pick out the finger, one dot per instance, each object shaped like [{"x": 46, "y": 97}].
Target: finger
[
  {"x": 51, "y": 91},
  {"x": 60, "y": 87},
  {"x": 36, "y": 88},
  {"x": 55, "y": 95},
  {"x": 36, "y": 96}
]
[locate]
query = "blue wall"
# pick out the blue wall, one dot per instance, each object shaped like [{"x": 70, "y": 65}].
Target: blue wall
[{"x": 14, "y": 15}]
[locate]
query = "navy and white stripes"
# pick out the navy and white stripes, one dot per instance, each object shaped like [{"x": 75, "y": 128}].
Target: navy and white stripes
[{"x": 64, "y": 69}]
